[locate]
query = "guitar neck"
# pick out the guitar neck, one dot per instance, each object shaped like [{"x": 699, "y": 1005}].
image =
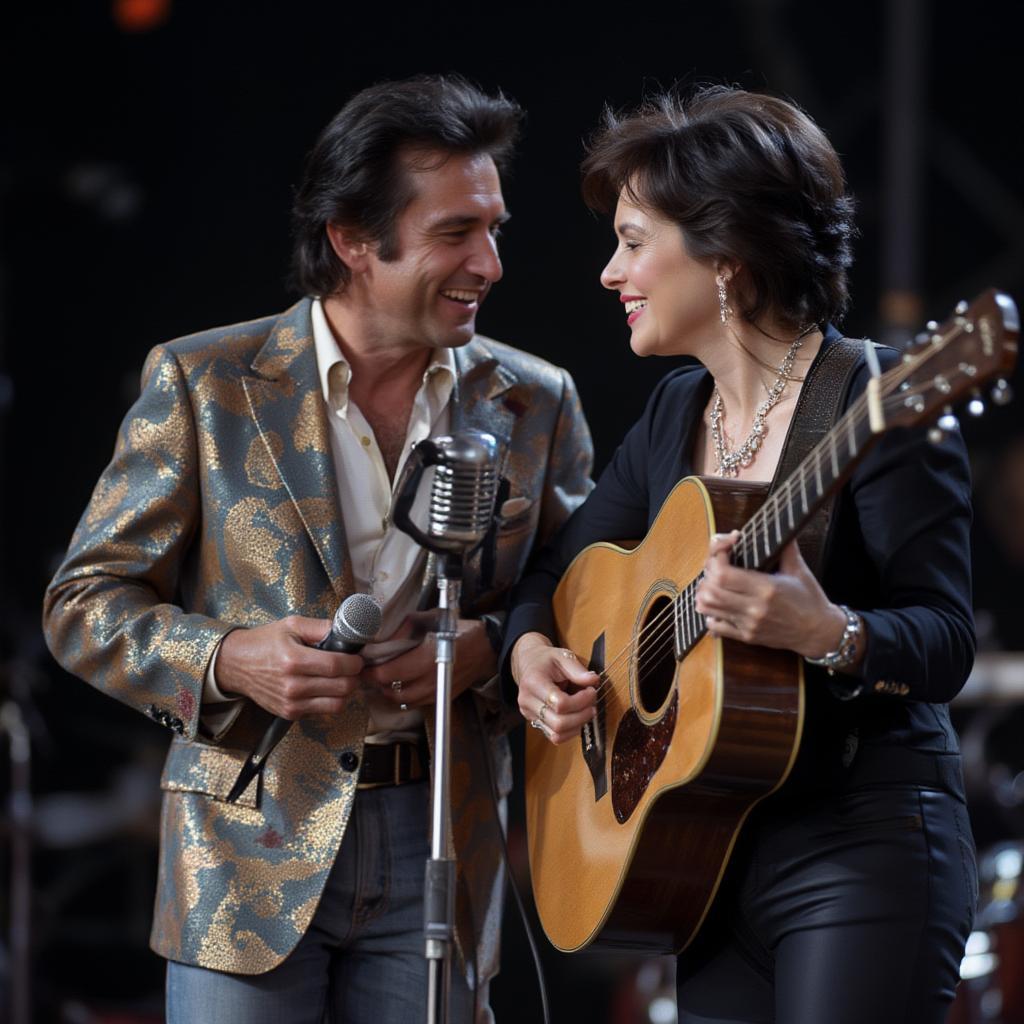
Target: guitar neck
[{"x": 788, "y": 509}]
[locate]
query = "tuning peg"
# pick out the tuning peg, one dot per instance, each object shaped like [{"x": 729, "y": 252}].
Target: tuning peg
[
  {"x": 976, "y": 407},
  {"x": 948, "y": 423},
  {"x": 961, "y": 307},
  {"x": 1002, "y": 393},
  {"x": 936, "y": 435}
]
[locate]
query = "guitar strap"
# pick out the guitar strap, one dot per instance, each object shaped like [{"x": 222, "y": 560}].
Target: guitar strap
[{"x": 817, "y": 409}]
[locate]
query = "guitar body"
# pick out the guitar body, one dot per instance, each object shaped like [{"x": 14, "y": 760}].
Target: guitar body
[{"x": 631, "y": 827}]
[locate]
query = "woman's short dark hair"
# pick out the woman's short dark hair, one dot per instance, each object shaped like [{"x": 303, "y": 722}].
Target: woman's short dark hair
[
  {"x": 750, "y": 179},
  {"x": 354, "y": 174}
]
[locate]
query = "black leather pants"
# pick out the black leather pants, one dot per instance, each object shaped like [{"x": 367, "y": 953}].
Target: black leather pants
[{"x": 851, "y": 909}]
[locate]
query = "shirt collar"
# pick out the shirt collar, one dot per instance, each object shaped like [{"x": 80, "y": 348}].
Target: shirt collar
[{"x": 335, "y": 373}]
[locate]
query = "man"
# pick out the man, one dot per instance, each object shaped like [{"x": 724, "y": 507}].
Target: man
[{"x": 249, "y": 494}]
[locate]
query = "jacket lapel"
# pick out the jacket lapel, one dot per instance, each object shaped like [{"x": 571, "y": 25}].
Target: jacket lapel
[
  {"x": 487, "y": 397},
  {"x": 286, "y": 403}
]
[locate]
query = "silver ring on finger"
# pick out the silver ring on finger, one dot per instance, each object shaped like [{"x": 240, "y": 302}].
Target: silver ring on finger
[
  {"x": 545, "y": 729},
  {"x": 544, "y": 708},
  {"x": 566, "y": 653}
]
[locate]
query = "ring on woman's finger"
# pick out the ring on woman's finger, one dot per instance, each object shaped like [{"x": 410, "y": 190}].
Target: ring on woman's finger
[
  {"x": 544, "y": 708},
  {"x": 566, "y": 653},
  {"x": 538, "y": 724}
]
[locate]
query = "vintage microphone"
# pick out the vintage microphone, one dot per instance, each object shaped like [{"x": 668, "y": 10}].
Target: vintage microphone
[
  {"x": 355, "y": 624},
  {"x": 462, "y": 497}
]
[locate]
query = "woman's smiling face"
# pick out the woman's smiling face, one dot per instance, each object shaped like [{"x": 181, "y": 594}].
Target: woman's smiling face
[{"x": 670, "y": 298}]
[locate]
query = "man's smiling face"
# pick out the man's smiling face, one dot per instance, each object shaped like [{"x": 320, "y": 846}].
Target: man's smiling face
[{"x": 445, "y": 253}]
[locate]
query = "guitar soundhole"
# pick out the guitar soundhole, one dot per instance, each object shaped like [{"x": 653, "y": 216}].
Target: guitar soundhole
[{"x": 656, "y": 663}]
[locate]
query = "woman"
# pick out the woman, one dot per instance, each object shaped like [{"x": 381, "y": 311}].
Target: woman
[{"x": 851, "y": 893}]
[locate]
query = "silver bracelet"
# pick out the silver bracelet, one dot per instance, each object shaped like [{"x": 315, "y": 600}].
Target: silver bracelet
[{"x": 846, "y": 653}]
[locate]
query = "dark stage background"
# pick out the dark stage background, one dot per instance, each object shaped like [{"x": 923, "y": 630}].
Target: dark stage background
[{"x": 148, "y": 158}]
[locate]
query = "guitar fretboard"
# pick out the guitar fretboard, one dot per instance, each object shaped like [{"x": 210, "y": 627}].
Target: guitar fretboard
[{"x": 787, "y": 510}]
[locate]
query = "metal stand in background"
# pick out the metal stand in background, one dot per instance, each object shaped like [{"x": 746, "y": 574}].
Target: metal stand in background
[
  {"x": 439, "y": 885},
  {"x": 14, "y": 727}
]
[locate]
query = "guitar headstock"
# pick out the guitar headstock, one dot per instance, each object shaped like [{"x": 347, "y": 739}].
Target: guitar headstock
[{"x": 952, "y": 360}]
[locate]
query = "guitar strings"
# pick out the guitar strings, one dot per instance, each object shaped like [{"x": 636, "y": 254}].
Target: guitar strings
[{"x": 646, "y": 643}]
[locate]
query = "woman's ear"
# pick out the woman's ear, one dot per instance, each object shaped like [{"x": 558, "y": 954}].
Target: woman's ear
[{"x": 727, "y": 270}]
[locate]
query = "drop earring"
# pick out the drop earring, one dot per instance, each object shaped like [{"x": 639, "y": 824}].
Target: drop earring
[{"x": 723, "y": 300}]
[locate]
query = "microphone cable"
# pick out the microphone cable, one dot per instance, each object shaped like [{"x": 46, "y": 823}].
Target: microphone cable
[{"x": 507, "y": 861}]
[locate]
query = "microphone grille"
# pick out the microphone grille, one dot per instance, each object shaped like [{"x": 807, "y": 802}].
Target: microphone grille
[
  {"x": 465, "y": 486},
  {"x": 358, "y": 618}
]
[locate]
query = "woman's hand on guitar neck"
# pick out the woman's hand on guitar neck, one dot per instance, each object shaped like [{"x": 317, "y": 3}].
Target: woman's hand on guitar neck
[
  {"x": 556, "y": 693},
  {"x": 786, "y": 609}
]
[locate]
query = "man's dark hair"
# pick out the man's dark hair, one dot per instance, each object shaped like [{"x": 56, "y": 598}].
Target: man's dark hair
[
  {"x": 749, "y": 179},
  {"x": 354, "y": 176}
]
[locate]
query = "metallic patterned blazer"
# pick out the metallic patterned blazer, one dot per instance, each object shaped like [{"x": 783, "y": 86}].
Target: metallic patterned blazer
[{"x": 219, "y": 509}]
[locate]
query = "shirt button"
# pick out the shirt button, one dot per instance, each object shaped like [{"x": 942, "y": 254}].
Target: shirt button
[
  {"x": 349, "y": 761},
  {"x": 382, "y": 575},
  {"x": 366, "y": 442}
]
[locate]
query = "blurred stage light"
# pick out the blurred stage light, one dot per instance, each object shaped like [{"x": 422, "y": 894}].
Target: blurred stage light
[{"x": 141, "y": 15}]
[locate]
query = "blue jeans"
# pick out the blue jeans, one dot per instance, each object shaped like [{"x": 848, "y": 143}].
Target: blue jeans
[{"x": 361, "y": 960}]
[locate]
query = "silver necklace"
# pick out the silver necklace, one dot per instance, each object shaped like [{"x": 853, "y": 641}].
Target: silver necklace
[{"x": 731, "y": 462}]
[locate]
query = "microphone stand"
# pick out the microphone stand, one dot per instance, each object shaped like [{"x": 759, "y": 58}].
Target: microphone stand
[
  {"x": 460, "y": 531},
  {"x": 439, "y": 883}
]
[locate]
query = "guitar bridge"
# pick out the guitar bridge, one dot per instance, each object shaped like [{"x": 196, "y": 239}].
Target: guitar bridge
[{"x": 592, "y": 735}]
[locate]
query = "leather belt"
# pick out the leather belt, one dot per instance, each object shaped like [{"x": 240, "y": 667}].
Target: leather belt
[{"x": 392, "y": 764}]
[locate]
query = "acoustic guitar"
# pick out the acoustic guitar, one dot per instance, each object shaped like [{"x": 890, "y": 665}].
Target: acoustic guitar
[{"x": 630, "y": 828}]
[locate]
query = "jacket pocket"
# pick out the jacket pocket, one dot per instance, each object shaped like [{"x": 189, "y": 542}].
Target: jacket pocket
[
  {"x": 516, "y": 513},
  {"x": 878, "y": 810},
  {"x": 209, "y": 770}
]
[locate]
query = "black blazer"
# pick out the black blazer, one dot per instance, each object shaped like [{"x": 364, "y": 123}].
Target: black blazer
[{"x": 899, "y": 554}]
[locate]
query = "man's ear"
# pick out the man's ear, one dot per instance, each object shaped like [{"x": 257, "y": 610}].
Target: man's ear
[{"x": 350, "y": 247}]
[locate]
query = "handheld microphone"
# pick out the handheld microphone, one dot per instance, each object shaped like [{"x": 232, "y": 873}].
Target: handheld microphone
[{"x": 355, "y": 623}]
